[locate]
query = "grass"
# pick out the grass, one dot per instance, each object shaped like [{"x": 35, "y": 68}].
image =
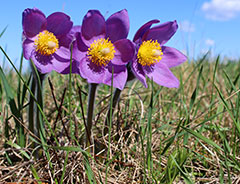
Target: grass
[{"x": 157, "y": 135}]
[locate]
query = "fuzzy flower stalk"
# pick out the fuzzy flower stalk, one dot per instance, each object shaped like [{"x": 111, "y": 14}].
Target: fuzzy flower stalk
[
  {"x": 152, "y": 58},
  {"x": 46, "y": 43},
  {"x": 101, "y": 48}
]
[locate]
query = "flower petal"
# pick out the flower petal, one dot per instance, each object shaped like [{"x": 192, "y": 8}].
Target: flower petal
[
  {"x": 61, "y": 59},
  {"x": 33, "y": 22},
  {"x": 125, "y": 51},
  {"x": 119, "y": 76},
  {"x": 63, "y": 54},
  {"x": 79, "y": 48},
  {"x": 161, "y": 33},
  {"x": 75, "y": 29},
  {"x": 172, "y": 57},
  {"x": 59, "y": 66},
  {"x": 161, "y": 74},
  {"x": 43, "y": 63},
  {"x": 117, "y": 26},
  {"x": 143, "y": 29},
  {"x": 62, "y": 63},
  {"x": 93, "y": 26},
  {"x": 28, "y": 48},
  {"x": 138, "y": 72},
  {"x": 75, "y": 68},
  {"x": 59, "y": 24},
  {"x": 91, "y": 72},
  {"x": 71, "y": 36}
]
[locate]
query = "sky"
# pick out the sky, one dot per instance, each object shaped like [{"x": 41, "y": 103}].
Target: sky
[{"x": 203, "y": 24}]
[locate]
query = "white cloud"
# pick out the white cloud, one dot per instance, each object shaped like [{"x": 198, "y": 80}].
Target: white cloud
[
  {"x": 209, "y": 42},
  {"x": 221, "y": 10},
  {"x": 186, "y": 26}
]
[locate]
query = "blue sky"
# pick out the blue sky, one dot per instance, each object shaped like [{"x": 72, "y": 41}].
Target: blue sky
[{"x": 203, "y": 24}]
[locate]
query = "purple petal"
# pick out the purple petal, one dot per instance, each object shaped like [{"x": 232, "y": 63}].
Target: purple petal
[
  {"x": 91, "y": 72},
  {"x": 33, "y": 22},
  {"x": 71, "y": 36},
  {"x": 80, "y": 44},
  {"x": 161, "y": 74},
  {"x": 61, "y": 59},
  {"x": 125, "y": 51},
  {"x": 43, "y": 63},
  {"x": 143, "y": 29},
  {"x": 172, "y": 57},
  {"x": 161, "y": 33},
  {"x": 117, "y": 26},
  {"x": 28, "y": 48},
  {"x": 65, "y": 41},
  {"x": 59, "y": 66},
  {"x": 93, "y": 26},
  {"x": 63, "y": 54},
  {"x": 138, "y": 72},
  {"x": 75, "y": 29},
  {"x": 62, "y": 63},
  {"x": 59, "y": 24},
  {"x": 79, "y": 48},
  {"x": 75, "y": 68},
  {"x": 119, "y": 76}
]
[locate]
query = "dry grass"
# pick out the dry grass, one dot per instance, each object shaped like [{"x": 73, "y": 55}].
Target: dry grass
[{"x": 172, "y": 112}]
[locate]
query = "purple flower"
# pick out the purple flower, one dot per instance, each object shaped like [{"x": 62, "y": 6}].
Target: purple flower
[
  {"x": 152, "y": 58},
  {"x": 47, "y": 40},
  {"x": 102, "y": 45}
]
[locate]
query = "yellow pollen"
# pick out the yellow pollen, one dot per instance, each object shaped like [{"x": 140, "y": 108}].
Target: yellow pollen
[
  {"x": 105, "y": 51},
  {"x": 46, "y": 43},
  {"x": 101, "y": 51},
  {"x": 149, "y": 53}
]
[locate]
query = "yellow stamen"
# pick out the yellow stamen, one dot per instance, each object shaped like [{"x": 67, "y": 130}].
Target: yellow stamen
[
  {"x": 101, "y": 51},
  {"x": 46, "y": 43},
  {"x": 149, "y": 53}
]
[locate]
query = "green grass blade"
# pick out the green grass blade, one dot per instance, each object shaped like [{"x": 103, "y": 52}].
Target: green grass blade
[
  {"x": 89, "y": 171},
  {"x": 203, "y": 138},
  {"x": 187, "y": 179},
  {"x": 195, "y": 92},
  {"x": 19, "y": 84},
  {"x": 230, "y": 82},
  {"x": 3, "y": 31},
  {"x": 172, "y": 139},
  {"x": 64, "y": 167},
  {"x": 35, "y": 174},
  {"x": 214, "y": 77},
  {"x": 229, "y": 111},
  {"x": 24, "y": 153},
  {"x": 13, "y": 107},
  {"x": 86, "y": 155},
  {"x": 110, "y": 127}
]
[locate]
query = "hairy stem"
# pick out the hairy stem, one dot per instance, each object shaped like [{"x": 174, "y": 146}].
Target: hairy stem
[{"x": 91, "y": 99}]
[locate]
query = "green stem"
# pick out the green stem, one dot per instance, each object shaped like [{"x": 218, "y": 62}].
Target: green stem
[
  {"x": 35, "y": 117},
  {"x": 110, "y": 127},
  {"x": 72, "y": 131},
  {"x": 111, "y": 109},
  {"x": 31, "y": 107},
  {"x": 91, "y": 99},
  {"x": 39, "y": 118}
]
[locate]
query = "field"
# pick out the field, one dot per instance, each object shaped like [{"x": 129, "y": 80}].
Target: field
[{"x": 157, "y": 135}]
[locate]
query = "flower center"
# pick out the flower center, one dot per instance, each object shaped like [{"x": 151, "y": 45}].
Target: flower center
[
  {"x": 101, "y": 51},
  {"x": 149, "y": 53},
  {"x": 46, "y": 43}
]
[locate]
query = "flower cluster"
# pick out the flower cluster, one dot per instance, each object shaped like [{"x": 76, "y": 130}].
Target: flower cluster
[{"x": 100, "y": 50}]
